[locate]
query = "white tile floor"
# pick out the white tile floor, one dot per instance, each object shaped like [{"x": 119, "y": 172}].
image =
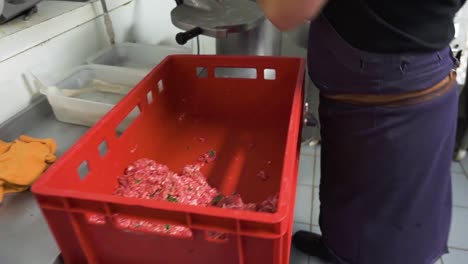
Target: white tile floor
[
  {"x": 307, "y": 165},
  {"x": 317, "y": 169},
  {"x": 307, "y": 207},
  {"x": 460, "y": 189},
  {"x": 303, "y": 210}
]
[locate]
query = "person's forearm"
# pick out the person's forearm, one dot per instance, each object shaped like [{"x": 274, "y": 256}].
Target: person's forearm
[{"x": 286, "y": 14}]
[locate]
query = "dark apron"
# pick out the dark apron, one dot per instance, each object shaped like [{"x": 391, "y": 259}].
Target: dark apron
[{"x": 385, "y": 190}]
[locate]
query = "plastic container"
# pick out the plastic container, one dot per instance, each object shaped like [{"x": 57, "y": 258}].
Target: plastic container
[
  {"x": 253, "y": 124},
  {"x": 134, "y": 55},
  {"x": 89, "y": 107}
]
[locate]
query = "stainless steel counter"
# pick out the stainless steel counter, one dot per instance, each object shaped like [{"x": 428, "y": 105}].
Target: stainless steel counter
[{"x": 25, "y": 236}]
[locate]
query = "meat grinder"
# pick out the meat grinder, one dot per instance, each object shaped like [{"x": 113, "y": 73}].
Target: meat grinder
[{"x": 239, "y": 26}]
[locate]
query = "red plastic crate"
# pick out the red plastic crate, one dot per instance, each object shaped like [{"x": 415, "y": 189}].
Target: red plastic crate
[{"x": 253, "y": 124}]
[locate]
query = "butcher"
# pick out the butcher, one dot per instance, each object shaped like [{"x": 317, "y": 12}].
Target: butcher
[{"x": 388, "y": 109}]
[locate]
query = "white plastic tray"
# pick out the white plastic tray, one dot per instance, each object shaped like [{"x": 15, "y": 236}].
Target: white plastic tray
[
  {"x": 133, "y": 55},
  {"x": 88, "y": 108}
]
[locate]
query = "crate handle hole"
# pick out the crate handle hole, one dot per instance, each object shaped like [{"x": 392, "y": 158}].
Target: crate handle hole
[
  {"x": 149, "y": 97},
  {"x": 83, "y": 170},
  {"x": 202, "y": 72},
  {"x": 103, "y": 148},
  {"x": 216, "y": 237},
  {"x": 238, "y": 73},
  {"x": 127, "y": 121},
  {"x": 269, "y": 74},
  {"x": 95, "y": 219},
  {"x": 160, "y": 86}
]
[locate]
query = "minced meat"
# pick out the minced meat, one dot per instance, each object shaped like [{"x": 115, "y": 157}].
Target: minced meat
[{"x": 146, "y": 179}]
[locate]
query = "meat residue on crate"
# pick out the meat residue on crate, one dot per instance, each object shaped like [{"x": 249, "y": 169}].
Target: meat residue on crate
[
  {"x": 147, "y": 179},
  {"x": 262, "y": 175}
]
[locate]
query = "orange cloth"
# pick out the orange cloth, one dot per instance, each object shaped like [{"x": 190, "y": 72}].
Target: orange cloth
[{"x": 23, "y": 161}]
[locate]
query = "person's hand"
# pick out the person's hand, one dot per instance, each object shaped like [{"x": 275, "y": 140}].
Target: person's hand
[{"x": 287, "y": 14}]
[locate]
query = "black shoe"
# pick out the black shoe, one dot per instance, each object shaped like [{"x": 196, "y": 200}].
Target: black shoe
[{"x": 312, "y": 245}]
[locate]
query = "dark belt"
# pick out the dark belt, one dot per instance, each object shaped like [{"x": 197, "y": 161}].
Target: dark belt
[{"x": 394, "y": 100}]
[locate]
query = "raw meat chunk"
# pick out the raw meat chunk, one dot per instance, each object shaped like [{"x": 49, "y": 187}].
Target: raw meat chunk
[{"x": 146, "y": 179}]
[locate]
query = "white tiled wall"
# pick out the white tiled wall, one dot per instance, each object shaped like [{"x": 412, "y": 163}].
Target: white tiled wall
[{"x": 153, "y": 25}]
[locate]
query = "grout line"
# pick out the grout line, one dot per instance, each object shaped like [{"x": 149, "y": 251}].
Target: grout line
[
  {"x": 313, "y": 191},
  {"x": 299, "y": 222},
  {"x": 461, "y": 249},
  {"x": 312, "y": 209},
  {"x": 318, "y": 160},
  {"x": 460, "y": 206},
  {"x": 308, "y": 154},
  {"x": 303, "y": 152},
  {"x": 454, "y": 172},
  {"x": 95, "y": 18},
  {"x": 466, "y": 177},
  {"x": 315, "y": 166},
  {"x": 46, "y": 20},
  {"x": 464, "y": 170}
]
